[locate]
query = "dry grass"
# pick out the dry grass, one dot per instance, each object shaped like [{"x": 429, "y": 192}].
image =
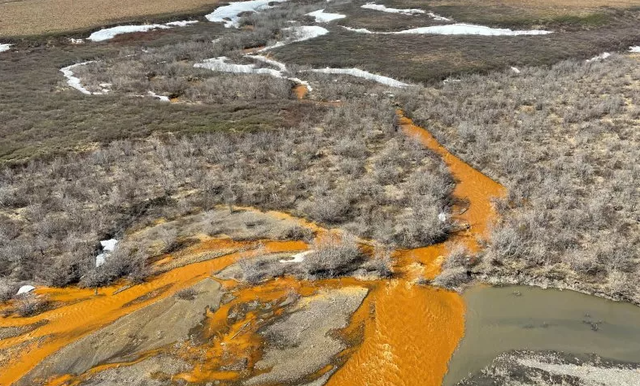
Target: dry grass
[{"x": 36, "y": 17}]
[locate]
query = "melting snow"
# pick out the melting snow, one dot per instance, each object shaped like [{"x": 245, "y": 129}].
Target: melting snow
[
  {"x": 299, "y": 34},
  {"x": 230, "y": 14},
  {"x": 75, "y": 82},
  {"x": 5, "y": 47},
  {"x": 108, "y": 246},
  {"x": 358, "y": 30},
  {"x": 362, "y": 74},
  {"x": 281, "y": 66},
  {"x": 515, "y": 70},
  {"x": 469, "y": 29},
  {"x": 598, "y": 58},
  {"x": 438, "y": 17},
  {"x": 110, "y": 33},
  {"x": 25, "y": 289},
  {"x": 160, "y": 97},
  {"x": 382, "y": 8},
  {"x": 325, "y": 17},
  {"x": 457, "y": 29},
  {"x": 220, "y": 64},
  {"x": 634, "y": 49},
  {"x": 297, "y": 258}
]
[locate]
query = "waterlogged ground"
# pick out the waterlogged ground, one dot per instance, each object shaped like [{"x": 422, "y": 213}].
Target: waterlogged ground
[{"x": 379, "y": 332}]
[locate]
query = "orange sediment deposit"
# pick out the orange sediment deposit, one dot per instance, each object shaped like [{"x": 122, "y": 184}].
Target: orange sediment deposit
[
  {"x": 68, "y": 323},
  {"x": 300, "y": 90}
]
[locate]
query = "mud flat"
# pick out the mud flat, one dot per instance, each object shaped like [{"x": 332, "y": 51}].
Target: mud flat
[{"x": 500, "y": 320}]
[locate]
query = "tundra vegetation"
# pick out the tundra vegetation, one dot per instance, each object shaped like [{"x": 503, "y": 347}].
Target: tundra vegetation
[
  {"x": 561, "y": 138},
  {"x": 564, "y": 141}
]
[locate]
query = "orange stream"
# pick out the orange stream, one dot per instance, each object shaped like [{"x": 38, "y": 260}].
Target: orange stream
[
  {"x": 407, "y": 331},
  {"x": 416, "y": 329}
]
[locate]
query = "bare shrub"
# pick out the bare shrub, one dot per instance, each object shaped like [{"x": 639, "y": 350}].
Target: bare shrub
[
  {"x": 123, "y": 262},
  {"x": 333, "y": 255},
  {"x": 187, "y": 294},
  {"x": 31, "y": 304}
]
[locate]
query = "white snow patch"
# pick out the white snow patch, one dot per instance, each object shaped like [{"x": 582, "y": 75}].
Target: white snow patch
[
  {"x": 515, "y": 70},
  {"x": 469, "y": 29},
  {"x": 25, "y": 289},
  {"x": 181, "y": 23},
  {"x": 76, "y": 41},
  {"x": 5, "y": 47},
  {"x": 298, "y": 34},
  {"x": 75, "y": 82},
  {"x": 160, "y": 97},
  {"x": 362, "y": 74},
  {"x": 382, "y": 8},
  {"x": 297, "y": 258},
  {"x": 220, "y": 64},
  {"x": 457, "y": 29},
  {"x": 438, "y": 17},
  {"x": 108, "y": 246},
  {"x": 634, "y": 49},
  {"x": 230, "y": 14},
  {"x": 110, "y": 33},
  {"x": 598, "y": 58},
  {"x": 442, "y": 217},
  {"x": 325, "y": 17},
  {"x": 358, "y": 30},
  {"x": 281, "y": 66}
]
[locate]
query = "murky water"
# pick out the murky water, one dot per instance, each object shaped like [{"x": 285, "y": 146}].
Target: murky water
[{"x": 509, "y": 318}]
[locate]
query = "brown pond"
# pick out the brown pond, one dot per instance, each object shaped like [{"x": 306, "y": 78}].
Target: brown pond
[{"x": 408, "y": 331}]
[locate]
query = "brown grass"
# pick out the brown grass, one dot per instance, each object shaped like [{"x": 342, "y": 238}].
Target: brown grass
[{"x": 19, "y": 18}]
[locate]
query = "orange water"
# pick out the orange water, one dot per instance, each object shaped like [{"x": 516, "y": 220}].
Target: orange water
[
  {"x": 407, "y": 331},
  {"x": 416, "y": 329}
]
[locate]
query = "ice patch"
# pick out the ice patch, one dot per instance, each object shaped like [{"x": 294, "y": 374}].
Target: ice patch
[
  {"x": 362, "y": 74},
  {"x": 457, "y": 29},
  {"x": 382, "y": 8},
  {"x": 598, "y": 58},
  {"x": 74, "y": 81},
  {"x": 110, "y": 33},
  {"x": 160, "y": 97},
  {"x": 25, "y": 289},
  {"x": 297, "y": 258},
  {"x": 325, "y": 17},
  {"x": 5, "y": 47},
  {"x": 230, "y": 14}
]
